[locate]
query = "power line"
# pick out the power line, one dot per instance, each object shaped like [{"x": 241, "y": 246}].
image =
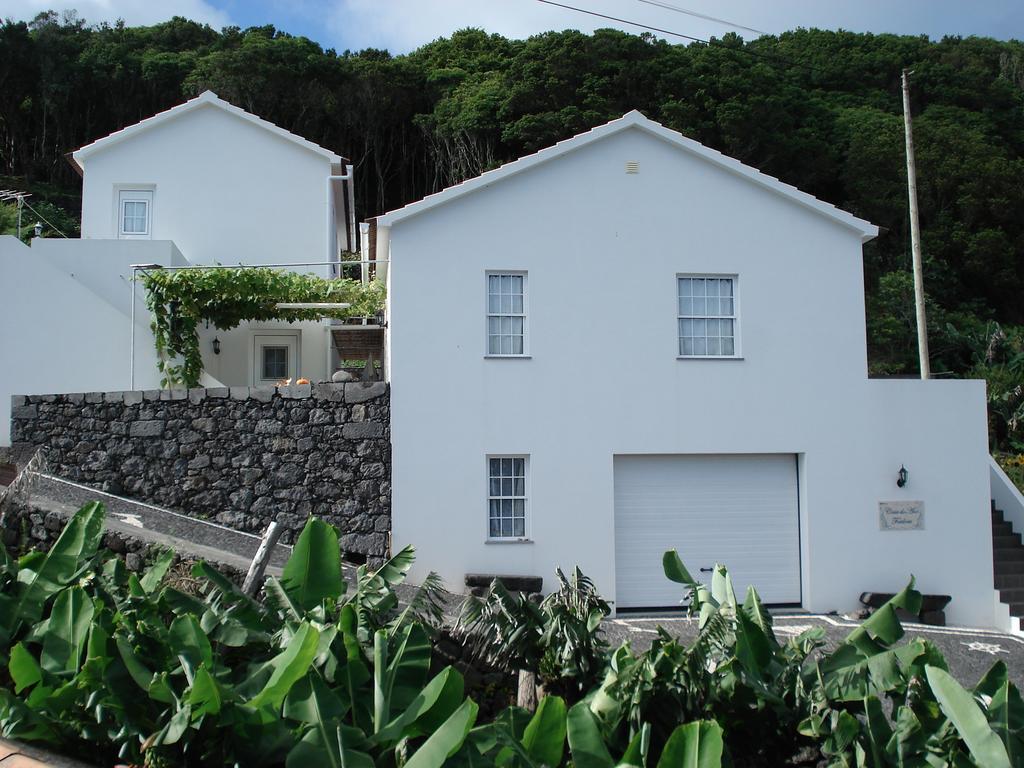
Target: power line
[
  {"x": 624, "y": 21},
  {"x": 709, "y": 43},
  {"x": 695, "y": 14}
]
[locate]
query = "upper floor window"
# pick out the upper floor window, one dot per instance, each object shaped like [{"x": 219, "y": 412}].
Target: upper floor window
[
  {"x": 506, "y": 313},
  {"x": 707, "y": 316},
  {"x": 134, "y": 213}
]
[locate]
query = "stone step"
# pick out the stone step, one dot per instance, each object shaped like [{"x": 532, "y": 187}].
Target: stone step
[
  {"x": 1009, "y": 581},
  {"x": 1007, "y": 567},
  {"x": 1009, "y": 555},
  {"x": 1017, "y": 609},
  {"x": 1005, "y": 540},
  {"x": 1013, "y": 595},
  {"x": 1001, "y": 529}
]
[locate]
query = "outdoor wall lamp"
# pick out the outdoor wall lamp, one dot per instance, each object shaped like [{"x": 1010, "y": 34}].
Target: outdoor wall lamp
[
  {"x": 38, "y": 229},
  {"x": 216, "y": 345},
  {"x": 901, "y": 478}
]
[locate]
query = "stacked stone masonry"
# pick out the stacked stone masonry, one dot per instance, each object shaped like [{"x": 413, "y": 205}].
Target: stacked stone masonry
[{"x": 242, "y": 456}]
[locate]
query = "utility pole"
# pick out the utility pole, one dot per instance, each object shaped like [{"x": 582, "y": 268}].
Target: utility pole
[{"x": 915, "y": 235}]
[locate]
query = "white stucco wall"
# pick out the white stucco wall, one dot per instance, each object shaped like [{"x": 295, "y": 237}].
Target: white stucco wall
[
  {"x": 66, "y": 325},
  {"x": 224, "y": 190},
  {"x": 602, "y": 250}
]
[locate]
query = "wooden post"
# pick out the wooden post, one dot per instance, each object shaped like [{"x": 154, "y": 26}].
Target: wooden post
[
  {"x": 915, "y": 236},
  {"x": 258, "y": 567}
]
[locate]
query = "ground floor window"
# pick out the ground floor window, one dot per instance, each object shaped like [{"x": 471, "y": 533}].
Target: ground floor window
[
  {"x": 506, "y": 503},
  {"x": 275, "y": 358}
]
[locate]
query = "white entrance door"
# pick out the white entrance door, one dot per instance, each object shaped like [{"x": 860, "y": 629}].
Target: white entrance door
[
  {"x": 737, "y": 510},
  {"x": 275, "y": 358}
]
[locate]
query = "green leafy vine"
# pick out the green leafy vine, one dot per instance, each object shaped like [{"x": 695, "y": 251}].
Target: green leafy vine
[{"x": 181, "y": 299}]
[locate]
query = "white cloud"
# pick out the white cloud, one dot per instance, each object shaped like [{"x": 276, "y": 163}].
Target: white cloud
[{"x": 134, "y": 12}]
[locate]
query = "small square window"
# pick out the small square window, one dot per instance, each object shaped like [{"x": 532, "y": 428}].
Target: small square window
[
  {"x": 506, "y": 501},
  {"x": 134, "y": 213},
  {"x": 275, "y": 362},
  {"x": 706, "y": 318}
]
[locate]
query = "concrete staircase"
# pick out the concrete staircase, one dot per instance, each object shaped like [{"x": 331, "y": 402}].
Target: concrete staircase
[{"x": 1008, "y": 563}]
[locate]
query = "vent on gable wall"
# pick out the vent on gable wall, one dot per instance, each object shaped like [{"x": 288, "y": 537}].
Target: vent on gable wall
[{"x": 632, "y": 166}]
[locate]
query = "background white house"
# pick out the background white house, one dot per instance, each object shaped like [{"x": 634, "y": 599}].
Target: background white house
[
  {"x": 200, "y": 184},
  {"x": 629, "y": 342}
]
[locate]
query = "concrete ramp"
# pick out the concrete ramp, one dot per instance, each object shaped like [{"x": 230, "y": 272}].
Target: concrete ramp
[{"x": 54, "y": 500}]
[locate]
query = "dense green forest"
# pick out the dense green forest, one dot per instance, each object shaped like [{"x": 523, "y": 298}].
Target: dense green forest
[{"x": 818, "y": 109}]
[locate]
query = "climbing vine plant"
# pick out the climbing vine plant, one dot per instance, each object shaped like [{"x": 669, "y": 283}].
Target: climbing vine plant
[{"x": 180, "y": 300}]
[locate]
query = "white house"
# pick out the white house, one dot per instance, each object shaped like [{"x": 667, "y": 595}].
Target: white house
[
  {"x": 202, "y": 183},
  {"x": 629, "y": 342}
]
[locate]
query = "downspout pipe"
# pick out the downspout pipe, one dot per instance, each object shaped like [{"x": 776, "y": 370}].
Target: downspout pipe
[{"x": 332, "y": 225}]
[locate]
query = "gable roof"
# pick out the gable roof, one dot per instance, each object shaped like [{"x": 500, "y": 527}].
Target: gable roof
[
  {"x": 633, "y": 119},
  {"x": 205, "y": 98}
]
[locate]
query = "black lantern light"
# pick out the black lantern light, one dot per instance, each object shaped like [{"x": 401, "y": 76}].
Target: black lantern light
[
  {"x": 216, "y": 345},
  {"x": 901, "y": 478}
]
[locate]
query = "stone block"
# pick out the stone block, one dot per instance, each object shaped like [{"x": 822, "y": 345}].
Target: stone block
[
  {"x": 329, "y": 391},
  {"x": 268, "y": 427},
  {"x": 360, "y": 392},
  {"x": 75, "y": 398},
  {"x": 320, "y": 416},
  {"x": 512, "y": 583},
  {"x": 239, "y": 393},
  {"x": 133, "y": 398},
  {"x": 362, "y": 430},
  {"x": 25, "y": 412},
  {"x": 218, "y": 393},
  {"x": 262, "y": 394},
  {"x": 151, "y": 394},
  {"x": 196, "y": 395},
  {"x": 113, "y": 397},
  {"x": 151, "y": 428},
  {"x": 94, "y": 397},
  {"x": 17, "y": 401},
  {"x": 296, "y": 391}
]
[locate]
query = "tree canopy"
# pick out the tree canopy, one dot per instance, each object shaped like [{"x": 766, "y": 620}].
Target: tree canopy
[{"x": 819, "y": 109}]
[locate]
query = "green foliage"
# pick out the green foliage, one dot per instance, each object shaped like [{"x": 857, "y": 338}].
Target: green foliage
[
  {"x": 324, "y": 673},
  {"x": 1013, "y": 466},
  {"x": 819, "y": 109},
  {"x": 181, "y": 299},
  {"x": 560, "y": 638}
]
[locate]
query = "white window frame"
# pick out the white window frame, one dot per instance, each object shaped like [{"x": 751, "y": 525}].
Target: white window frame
[
  {"x": 274, "y": 338},
  {"x": 524, "y": 497},
  {"x": 524, "y": 315},
  {"x": 737, "y": 353},
  {"x": 127, "y": 195}
]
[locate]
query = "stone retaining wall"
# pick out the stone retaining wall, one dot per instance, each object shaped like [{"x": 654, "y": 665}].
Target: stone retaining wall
[{"x": 242, "y": 456}]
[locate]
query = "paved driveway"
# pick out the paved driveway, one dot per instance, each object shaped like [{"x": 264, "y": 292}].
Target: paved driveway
[{"x": 969, "y": 652}]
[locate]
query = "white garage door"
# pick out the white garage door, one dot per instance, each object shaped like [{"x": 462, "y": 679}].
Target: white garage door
[{"x": 737, "y": 510}]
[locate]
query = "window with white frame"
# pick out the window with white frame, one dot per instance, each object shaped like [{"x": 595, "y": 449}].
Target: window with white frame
[
  {"x": 134, "y": 213},
  {"x": 506, "y": 500},
  {"x": 707, "y": 315},
  {"x": 506, "y": 313}
]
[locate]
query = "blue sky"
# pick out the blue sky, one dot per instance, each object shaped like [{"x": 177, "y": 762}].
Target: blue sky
[{"x": 401, "y": 25}]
